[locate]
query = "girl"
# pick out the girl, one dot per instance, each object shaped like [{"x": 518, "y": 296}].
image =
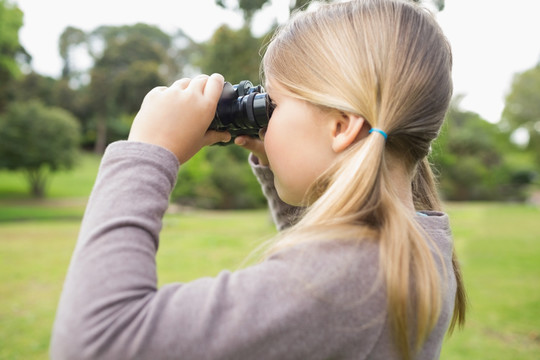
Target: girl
[{"x": 365, "y": 270}]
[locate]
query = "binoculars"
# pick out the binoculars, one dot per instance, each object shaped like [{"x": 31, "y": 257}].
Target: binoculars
[{"x": 243, "y": 109}]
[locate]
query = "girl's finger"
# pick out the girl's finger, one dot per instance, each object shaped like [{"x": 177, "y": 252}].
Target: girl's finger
[
  {"x": 254, "y": 145},
  {"x": 213, "y": 137},
  {"x": 198, "y": 83},
  {"x": 159, "y": 88},
  {"x": 181, "y": 84},
  {"x": 249, "y": 143},
  {"x": 214, "y": 86}
]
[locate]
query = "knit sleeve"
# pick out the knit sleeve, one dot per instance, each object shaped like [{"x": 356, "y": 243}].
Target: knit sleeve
[
  {"x": 290, "y": 306},
  {"x": 283, "y": 214}
]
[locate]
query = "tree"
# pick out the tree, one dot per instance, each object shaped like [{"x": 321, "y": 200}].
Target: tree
[
  {"x": 474, "y": 160},
  {"x": 232, "y": 53},
  {"x": 229, "y": 182},
  {"x": 10, "y": 23},
  {"x": 439, "y": 4},
  {"x": 183, "y": 53},
  {"x": 250, "y": 7},
  {"x": 128, "y": 52},
  {"x": 522, "y": 108},
  {"x": 69, "y": 40},
  {"x": 56, "y": 93},
  {"x": 300, "y": 4},
  {"x": 38, "y": 140},
  {"x": 32, "y": 86}
]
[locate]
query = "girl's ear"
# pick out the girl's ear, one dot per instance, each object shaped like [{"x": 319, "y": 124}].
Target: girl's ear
[{"x": 346, "y": 130}]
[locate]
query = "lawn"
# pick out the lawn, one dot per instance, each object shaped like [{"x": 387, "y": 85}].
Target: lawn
[
  {"x": 67, "y": 192},
  {"x": 499, "y": 247},
  {"x": 498, "y": 244},
  {"x": 34, "y": 256},
  {"x": 72, "y": 183}
]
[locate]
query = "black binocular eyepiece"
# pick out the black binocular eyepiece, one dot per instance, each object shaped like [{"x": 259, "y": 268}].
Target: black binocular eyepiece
[{"x": 242, "y": 109}]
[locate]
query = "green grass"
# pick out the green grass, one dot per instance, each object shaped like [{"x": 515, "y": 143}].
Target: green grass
[
  {"x": 45, "y": 209},
  {"x": 499, "y": 247},
  {"x": 33, "y": 260},
  {"x": 200, "y": 244},
  {"x": 67, "y": 192},
  {"x": 34, "y": 256}
]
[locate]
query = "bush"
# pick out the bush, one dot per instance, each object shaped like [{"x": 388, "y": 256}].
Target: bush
[
  {"x": 476, "y": 161},
  {"x": 218, "y": 177}
]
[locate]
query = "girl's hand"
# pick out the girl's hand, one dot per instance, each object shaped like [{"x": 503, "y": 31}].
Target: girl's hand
[
  {"x": 177, "y": 117},
  {"x": 254, "y": 145}
]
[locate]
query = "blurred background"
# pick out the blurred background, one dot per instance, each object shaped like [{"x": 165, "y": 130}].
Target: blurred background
[{"x": 73, "y": 75}]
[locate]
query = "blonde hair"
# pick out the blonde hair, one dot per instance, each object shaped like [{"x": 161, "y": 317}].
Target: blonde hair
[{"x": 389, "y": 62}]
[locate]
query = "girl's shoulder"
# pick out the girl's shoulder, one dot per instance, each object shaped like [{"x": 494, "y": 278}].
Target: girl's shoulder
[{"x": 436, "y": 224}]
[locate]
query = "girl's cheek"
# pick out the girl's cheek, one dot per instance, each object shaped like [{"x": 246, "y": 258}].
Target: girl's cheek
[{"x": 269, "y": 144}]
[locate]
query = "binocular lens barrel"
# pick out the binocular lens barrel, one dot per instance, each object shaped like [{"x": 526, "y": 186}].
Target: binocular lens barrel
[{"x": 242, "y": 109}]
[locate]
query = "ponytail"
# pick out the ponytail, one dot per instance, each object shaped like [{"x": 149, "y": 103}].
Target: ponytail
[{"x": 405, "y": 252}]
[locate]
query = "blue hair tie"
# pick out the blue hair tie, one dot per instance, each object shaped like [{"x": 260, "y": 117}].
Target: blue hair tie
[{"x": 380, "y": 132}]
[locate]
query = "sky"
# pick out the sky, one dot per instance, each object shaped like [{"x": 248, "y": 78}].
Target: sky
[{"x": 491, "y": 39}]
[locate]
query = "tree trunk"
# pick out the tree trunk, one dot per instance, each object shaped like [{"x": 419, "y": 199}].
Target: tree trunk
[
  {"x": 37, "y": 179},
  {"x": 101, "y": 135}
]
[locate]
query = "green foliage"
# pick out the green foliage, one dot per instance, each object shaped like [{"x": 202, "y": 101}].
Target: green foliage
[
  {"x": 439, "y": 4},
  {"x": 218, "y": 177},
  {"x": 232, "y": 53},
  {"x": 10, "y": 23},
  {"x": 69, "y": 40},
  {"x": 301, "y": 4},
  {"x": 132, "y": 84},
  {"x": 51, "y": 92},
  {"x": 38, "y": 140},
  {"x": 473, "y": 159},
  {"x": 248, "y": 7},
  {"x": 194, "y": 187},
  {"x": 33, "y": 86},
  {"x": 130, "y": 64},
  {"x": 522, "y": 108},
  {"x": 233, "y": 178}
]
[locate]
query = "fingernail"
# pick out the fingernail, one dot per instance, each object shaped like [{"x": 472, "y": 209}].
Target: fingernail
[{"x": 218, "y": 75}]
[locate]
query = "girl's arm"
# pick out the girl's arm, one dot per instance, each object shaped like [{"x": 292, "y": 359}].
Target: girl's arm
[{"x": 111, "y": 308}]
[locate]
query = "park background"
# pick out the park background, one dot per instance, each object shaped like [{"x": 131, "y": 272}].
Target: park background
[{"x": 56, "y": 122}]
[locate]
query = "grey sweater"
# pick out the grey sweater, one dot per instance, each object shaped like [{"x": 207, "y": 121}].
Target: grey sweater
[{"x": 322, "y": 300}]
